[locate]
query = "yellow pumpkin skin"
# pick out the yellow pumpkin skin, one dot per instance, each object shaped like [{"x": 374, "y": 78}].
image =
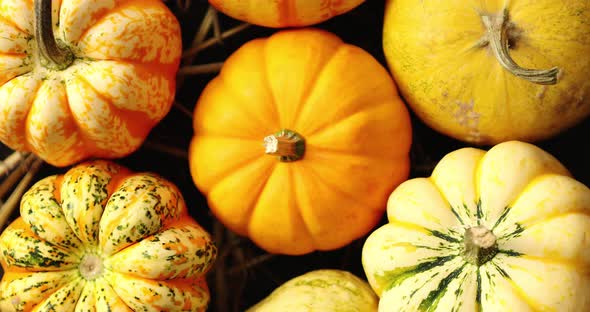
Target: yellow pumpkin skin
[
  {"x": 101, "y": 238},
  {"x": 449, "y": 76},
  {"x": 528, "y": 215},
  {"x": 321, "y": 291},
  {"x": 103, "y": 105},
  {"x": 284, "y": 13},
  {"x": 357, "y": 137}
]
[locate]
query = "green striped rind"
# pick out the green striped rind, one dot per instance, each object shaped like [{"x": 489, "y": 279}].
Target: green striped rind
[
  {"x": 23, "y": 249},
  {"x": 392, "y": 279},
  {"x": 23, "y": 291},
  {"x": 42, "y": 212},
  {"x": 64, "y": 299},
  {"x": 84, "y": 194},
  {"x": 183, "y": 251},
  {"x": 140, "y": 207}
]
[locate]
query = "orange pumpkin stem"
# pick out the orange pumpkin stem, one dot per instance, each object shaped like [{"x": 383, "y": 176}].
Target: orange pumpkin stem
[
  {"x": 497, "y": 26},
  {"x": 480, "y": 245},
  {"x": 288, "y": 145},
  {"x": 54, "y": 54}
]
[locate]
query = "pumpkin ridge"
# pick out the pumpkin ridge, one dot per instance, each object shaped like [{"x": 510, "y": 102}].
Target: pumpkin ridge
[
  {"x": 23, "y": 128},
  {"x": 4, "y": 19},
  {"x": 239, "y": 166},
  {"x": 98, "y": 20},
  {"x": 312, "y": 85},
  {"x": 333, "y": 187},
  {"x": 430, "y": 303},
  {"x": 575, "y": 265},
  {"x": 520, "y": 293},
  {"x": 443, "y": 196},
  {"x": 88, "y": 144},
  {"x": 118, "y": 110},
  {"x": 321, "y": 149},
  {"x": 256, "y": 200},
  {"x": 246, "y": 112},
  {"x": 136, "y": 124},
  {"x": 346, "y": 117},
  {"x": 296, "y": 190}
]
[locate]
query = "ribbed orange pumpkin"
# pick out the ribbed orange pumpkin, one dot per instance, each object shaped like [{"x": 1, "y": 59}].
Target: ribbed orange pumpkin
[
  {"x": 337, "y": 133},
  {"x": 90, "y": 82},
  {"x": 284, "y": 13}
]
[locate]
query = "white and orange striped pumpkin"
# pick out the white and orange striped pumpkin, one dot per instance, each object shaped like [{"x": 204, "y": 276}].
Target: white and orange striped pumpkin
[
  {"x": 101, "y": 238},
  {"x": 117, "y": 82}
]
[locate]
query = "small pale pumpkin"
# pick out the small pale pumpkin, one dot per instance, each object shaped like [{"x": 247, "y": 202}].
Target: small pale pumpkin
[
  {"x": 101, "y": 238},
  {"x": 336, "y": 142},
  {"x": 321, "y": 291},
  {"x": 506, "y": 230},
  {"x": 491, "y": 71},
  {"x": 96, "y": 87},
  {"x": 284, "y": 13}
]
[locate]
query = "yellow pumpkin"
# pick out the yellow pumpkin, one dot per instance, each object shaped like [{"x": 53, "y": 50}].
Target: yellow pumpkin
[
  {"x": 91, "y": 80},
  {"x": 503, "y": 230},
  {"x": 284, "y": 13},
  {"x": 298, "y": 142},
  {"x": 493, "y": 70},
  {"x": 101, "y": 238},
  {"x": 321, "y": 291}
]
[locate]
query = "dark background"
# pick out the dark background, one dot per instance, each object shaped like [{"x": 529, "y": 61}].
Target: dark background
[{"x": 244, "y": 274}]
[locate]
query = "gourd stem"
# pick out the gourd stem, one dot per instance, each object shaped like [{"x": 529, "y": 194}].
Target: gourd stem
[
  {"x": 55, "y": 55},
  {"x": 480, "y": 245},
  {"x": 288, "y": 145},
  {"x": 497, "y": 36}
]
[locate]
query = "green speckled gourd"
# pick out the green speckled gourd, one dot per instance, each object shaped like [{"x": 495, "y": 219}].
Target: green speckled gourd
[
  {"x": 101, "y": 238},
  {"x": 321, "y": 291}
]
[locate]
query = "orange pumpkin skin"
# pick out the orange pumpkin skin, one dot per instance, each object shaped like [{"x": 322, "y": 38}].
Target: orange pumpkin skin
[
  {"x": 103, "y": 105},
  {"x": 284, "y": 13},
  {"x": 357, "y": 137}
]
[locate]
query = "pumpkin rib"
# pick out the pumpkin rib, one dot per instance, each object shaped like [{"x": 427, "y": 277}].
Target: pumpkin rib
[
  {"x": 312, "y": 85},
  {"x": 246, "y": 112},
  {"x": 535, "y": 306},
  {"x": 89, "y": 147},
  {"x": 266, "y": 75},
  {"x": 577, "y": 266},
  {"x": 294, "y": 189},
  {"x": 159, "y": 9},
  {"x": 449, "y": 204},
  {"x": 98, "y": 19},
  {"x": 255, "y": 203},
  {"x": 360, "y": 110},
  {"x": 332, "y": 186},
  {"x": 4, "y": 19},
  {"x": 215, "y": 180},
  {"x": 137, "y": 124},
  {"x": 22, "y": 124}
]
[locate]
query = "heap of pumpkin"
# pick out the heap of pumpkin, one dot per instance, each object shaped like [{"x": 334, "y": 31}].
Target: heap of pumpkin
[{"x": 301, "y": 143}]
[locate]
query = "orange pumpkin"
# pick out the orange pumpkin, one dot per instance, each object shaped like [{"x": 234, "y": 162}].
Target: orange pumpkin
[
  {"x": 299, "y": 141},
  {"x": 92, "y": 84},
  {"x": 284, "y": 13}
]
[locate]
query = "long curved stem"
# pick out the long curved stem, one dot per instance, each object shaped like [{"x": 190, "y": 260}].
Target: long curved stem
[
  {"x": 498, "y": 39},
  {"x": 58, "y": 57}
]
